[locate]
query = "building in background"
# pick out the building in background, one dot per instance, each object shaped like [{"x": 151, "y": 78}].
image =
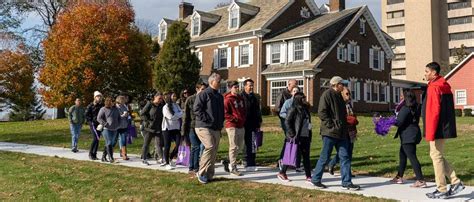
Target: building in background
[
  {"x": 426, "y": 31},
  {"x": 460, "y": 79}
]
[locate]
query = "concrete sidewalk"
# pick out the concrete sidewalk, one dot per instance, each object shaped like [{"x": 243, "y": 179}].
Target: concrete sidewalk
[{"x": 371, "y": 186}]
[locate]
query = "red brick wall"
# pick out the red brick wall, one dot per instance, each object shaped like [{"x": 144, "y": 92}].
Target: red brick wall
[{"x": 462, "y": 79}]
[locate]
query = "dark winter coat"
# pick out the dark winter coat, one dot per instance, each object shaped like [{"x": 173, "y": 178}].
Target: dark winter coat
[
  {"x": 92, "y": 111},
  {"x": 408, "y": 125},
  {"x": 152, "y": 116},
  {"x": 332, "y": 112},
  {"x": 209, "y": 109}
]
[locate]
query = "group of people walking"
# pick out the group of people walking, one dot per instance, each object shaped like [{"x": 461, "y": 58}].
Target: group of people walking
[{"x": 197, "y": 120}]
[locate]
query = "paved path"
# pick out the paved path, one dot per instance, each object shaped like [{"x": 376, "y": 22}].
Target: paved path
[{"x": 371, "y": 186}]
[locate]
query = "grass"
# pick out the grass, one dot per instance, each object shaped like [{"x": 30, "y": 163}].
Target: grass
[
  {"x": 25, "y": 177},
  {"x": 373, "y": 155}
]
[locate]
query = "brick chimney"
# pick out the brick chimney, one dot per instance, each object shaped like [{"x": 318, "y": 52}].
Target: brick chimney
[
  {"x": 185, "y": 9},
  {"x": 337, "y": 5}
]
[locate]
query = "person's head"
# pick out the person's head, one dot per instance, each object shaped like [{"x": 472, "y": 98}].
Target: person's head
[
  {"x": 78, "y": 102},
  {"x": 215, "y": 81},
  {"x": 158, "y": 97},
  {"x": 233, "y": 87},
  {"x": 432, "y": 70},
  {"x": 169, "y": 97},
  {"x": 174, "y": 97},
  {"x": 121, "y": 99},
  {"x": 346, "y": 94},
  {"x": 410, "y": 98},
  {"x": 337, "y": 83},
  {"x": 184, "y": 94},
  {"x": 295, "y": 90},
  {"x": 109, "y": 102},
  {"x": 291, "y": 84},
  {"x": 200, "y": 87},
  {"x": 97, "y": 97},
  {"x": 299, "y": 100},
  {"x": 248, "y": 86}
]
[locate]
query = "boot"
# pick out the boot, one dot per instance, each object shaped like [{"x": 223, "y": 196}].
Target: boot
[
  {"x": 104, "y": 155},
  {"x": 124, "y": 154},
  {"x": 110, "y": 151}
]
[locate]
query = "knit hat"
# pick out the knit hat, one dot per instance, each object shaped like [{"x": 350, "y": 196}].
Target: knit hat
[{"x": 97, "y": 93}]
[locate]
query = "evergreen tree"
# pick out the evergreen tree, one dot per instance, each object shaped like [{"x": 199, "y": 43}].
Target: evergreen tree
[{"x": 176, "y": 67}]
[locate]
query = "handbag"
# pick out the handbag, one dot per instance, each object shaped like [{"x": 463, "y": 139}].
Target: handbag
[
  {"x": 289, "y": 157},
  {"x": 183, "y": 154},
  {"x": 258, "y": 138}
]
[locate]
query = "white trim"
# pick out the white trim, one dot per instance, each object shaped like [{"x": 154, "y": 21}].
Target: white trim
[
  {"x": 456, "y": 97},
  {"x": 196, "y": 15},
  {"x": 459, "y": 65},
  {"x": 229, "y": 41},
  {"x": 226, "y": 45},
  {"x": 231, "y": 8},
  {"x": 162, "y": 23},
  {"x": 245, "y": 42}
]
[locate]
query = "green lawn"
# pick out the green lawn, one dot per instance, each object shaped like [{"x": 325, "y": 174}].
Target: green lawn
[
  {"x": 26, "y": 177},
  {"x": 373, "y": 155}
]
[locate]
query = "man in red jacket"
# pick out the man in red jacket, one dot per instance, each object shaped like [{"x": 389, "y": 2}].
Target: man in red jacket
[
  {"x": 439, "y": 124},
  {"x": 234, "y": 114}
]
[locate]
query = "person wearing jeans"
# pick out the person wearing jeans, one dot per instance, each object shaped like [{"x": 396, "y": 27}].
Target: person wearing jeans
[
  {"x": 152, "y": 116},
  {"x": 171, "y": 126},
  {"x": 253, "y": 121},
  {"x": 76, "y": 119},
  {"x": 109, "y": 122},
  {"x": 91, "y": 116},
  {"x": 439, "y": 123},
  {"x": 332, "y": 112},
  {"x": 122, "y": 132},
  {"x": 209, "y": 111},
  {"x": 189, "y": 123}
]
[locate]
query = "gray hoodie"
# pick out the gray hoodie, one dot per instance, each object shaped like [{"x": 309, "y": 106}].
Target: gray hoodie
[
  {"x": 123, "y": 119},
  {"x": 109, "y": 118}
]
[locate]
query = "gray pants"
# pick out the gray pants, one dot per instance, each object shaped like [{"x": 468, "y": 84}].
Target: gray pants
[{"x": 158, "y": 144}]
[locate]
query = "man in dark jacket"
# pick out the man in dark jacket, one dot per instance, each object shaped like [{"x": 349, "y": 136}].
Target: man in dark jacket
[
  {"x": 209, "y": 110},
  {"x": 152, "y": 115},
  {"x": 439, "y": 124},
  {"x": 253, "y": 121},
  {"x": 91, "y": 116},
  {"x": 332, "y": 112}
]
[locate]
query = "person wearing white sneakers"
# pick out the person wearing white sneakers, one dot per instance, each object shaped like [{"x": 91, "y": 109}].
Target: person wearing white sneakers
[{"x": 171, "y": 127}]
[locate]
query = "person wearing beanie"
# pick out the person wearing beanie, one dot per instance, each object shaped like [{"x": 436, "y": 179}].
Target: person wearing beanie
[{"x": 92, "y": 111}]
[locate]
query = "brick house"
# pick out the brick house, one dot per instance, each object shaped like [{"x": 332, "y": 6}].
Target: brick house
[
  {"x": 460, "y": 79},
  {"x": 271, "y": 41}
]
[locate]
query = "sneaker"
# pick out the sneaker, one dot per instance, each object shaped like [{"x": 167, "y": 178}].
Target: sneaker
[
  {"x": 235, "y": 172},
  {"x": 331, "y": 170},
  {"x": 169, "y": 167},
  {"x": 251, "y": 169},
  {"x": 438, "y": 195},
  {"x": 226, "y": 165},
  {"x": 456, "y": 188},
  {"x": 319, "y": 185},
  {"x": 299, "y": 170},
  {"x": 351, "y": 187},
  {"x": 309, "y": 181},
  {"x": 397, "y": 180},
  {"x": 145, "y": 162},
  {"x": 419, "y": 184},
  {"x": 201, "y": 179},
  {"x": 74, "y": 150},
  {"x": 283, "y": 177},
  {"x": 163, "y": 164}
]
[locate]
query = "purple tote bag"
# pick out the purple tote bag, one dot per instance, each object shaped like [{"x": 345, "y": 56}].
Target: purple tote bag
[
  {"x": 289, "y": 157},
  {"x": 258, "y": 138},
  {"x": 183, "y": 155}
]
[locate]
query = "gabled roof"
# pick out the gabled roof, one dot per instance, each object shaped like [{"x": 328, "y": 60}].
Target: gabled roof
[
  {"x": 267, "y": 10},
  {"x": 208, "y": 15},
  {"x": 460, "y": 65},
  {"x": 247, "y": 6},
  {"x": 168, "y": 21}
]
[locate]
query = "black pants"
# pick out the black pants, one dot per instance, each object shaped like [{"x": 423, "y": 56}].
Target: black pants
[
  {"x": 95, "y": 142},
  {"x": 158, "y": 144},
  {"x": 168, "y": 137},
  {"x": 409, "y": 150},
  {"x": 304, "y": 144},
  {"x": 249, "y": 147}
]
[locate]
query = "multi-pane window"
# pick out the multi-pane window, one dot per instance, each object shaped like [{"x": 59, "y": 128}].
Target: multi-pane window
[
  {"x": 400, "y": 56},
  {"x": 396, "y": 28},
  {"x": 324, "y": 84},
  {"x": 244, "y": 55},
  {"x": 368, "y": 92},
  {"x": 376, "y": 59},
  {"x": 375, "y": 92},
  {"x": 234, "y": 18},
  {"x": 461, "y": 20},
  {"x": 196, "y": 24},
  {"x": 399, "y": 72},
  {"x": 395, "y": 14},
  {"x": 461, "y": 36},
  {"x": 459, "y": 5},
  {"x": 275, "y": 53},
  {"x": 461, "y": 98},
  {"x": 277, "y": 86},
  {"x": 223, "y": 57},
  {"x": 162, "y": 32},
  {"x": 396, "y": 94},
  {"x": 299, "y": 50},
  {"x": 382, "y": 93},
  {"x": 353, "y": 88},
  {"x": 400, "y": 42}
]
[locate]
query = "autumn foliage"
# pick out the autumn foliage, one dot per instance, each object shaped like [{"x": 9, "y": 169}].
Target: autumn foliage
[{"x": 94, "y": 47}]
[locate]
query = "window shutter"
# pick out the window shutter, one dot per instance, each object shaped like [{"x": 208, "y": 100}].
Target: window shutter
[
  {"x": 382, "y": 60},
  {"x": 365, "y": 92},
  {"x": 339, "y": 52},
  {"x": 358, "y": 91},
  {"x": 236, "y": 56},
  {"x": 216, "y": 58},
  {"x": 371, "y": 58},
  {"x": 269, "y": 54},
  {"x": 344, "y": 54},
  {"x": 283, "y": 53},
  {"x": 307, "y": 49},
  {"x": 290, "y": 51},
  {"x": 251, "y": 54},
  {"x": 357, "y": 54},
  {"x": 229, "y": 58},
  {"x": 387, "y": 94},
  {"x": 200, "y": 56}
]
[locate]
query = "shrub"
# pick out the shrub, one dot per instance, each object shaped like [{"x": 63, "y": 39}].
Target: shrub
[
  {"x": 458, "y": 112},
  {"x": 266, "y": 110},
  {"x": 468, "y": 112}
]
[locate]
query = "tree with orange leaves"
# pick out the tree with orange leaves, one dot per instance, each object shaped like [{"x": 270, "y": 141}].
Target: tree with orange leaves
[{"x": 94, "y": 46}]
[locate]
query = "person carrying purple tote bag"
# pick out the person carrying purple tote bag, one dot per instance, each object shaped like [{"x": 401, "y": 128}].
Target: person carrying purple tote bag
[{"x": 298, "y": 135}]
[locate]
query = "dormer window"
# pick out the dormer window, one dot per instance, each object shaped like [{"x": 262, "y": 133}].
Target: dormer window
[
  {"x": 163, "y": 31},
  {"x": 234, "y": 16},
  {"x": 196, "y": 26}
]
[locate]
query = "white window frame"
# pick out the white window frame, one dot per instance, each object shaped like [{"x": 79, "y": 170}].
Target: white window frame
[
  {"x": 354, "y": 87},
  {"x": 353, "y": 50},
  {"x": 396, "y": 94},
  {"x": 163, "y": 30},
  {"x": 302, "y": 50},
  {"x": 376, "y": 54},
  {"x": 340, "y": 52},
  {"x": 273, "y": 48},
  {"x": 242, "y": 56},
  {"x": 284, "y": 84},
  {"x": 457, "y": 97},
  {"x": 195, "y": 19},
  {"x": 234, "y": 13},
  {"x": 220, "y": 58},
  {"x": 362, "y": 26}
]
